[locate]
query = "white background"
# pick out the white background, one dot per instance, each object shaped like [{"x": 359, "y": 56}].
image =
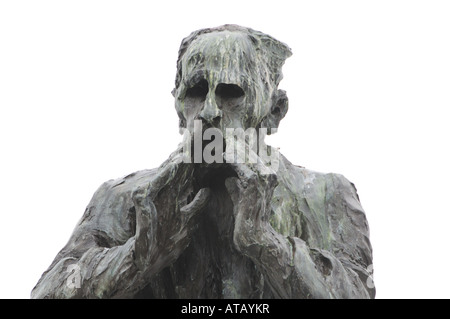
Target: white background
[{"x": 85, "y": 97}]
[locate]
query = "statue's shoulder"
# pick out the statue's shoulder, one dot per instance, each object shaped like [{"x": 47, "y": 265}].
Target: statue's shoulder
[
  {"x": 328, "y": 208},
  {"x": 125, "y": 184},
  {"x": 114, "y": 197},
  {"x": 110, "y": 213},
  {"x": 313, "y": 184}
]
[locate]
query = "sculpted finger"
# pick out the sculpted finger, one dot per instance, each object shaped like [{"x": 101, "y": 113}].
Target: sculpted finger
[
  {"x": 250, "y": 175},
  {"x": 234, "y": 188},
  {"x": 272, "y": 180},
  {"x": 172, "y": 168},
  {"x": 145, "y": 223},
  {"x": 197, "y": 204},
  {"x": 245, "y": 173}
]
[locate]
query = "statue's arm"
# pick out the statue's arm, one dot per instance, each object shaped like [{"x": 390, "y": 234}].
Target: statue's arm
[
  {"x": 292, "y": 269},
  {"x": 297, "y": 271},
  {"x": 95, "y": 265},
  {"x": 92, "y": 265},
  {"x": 342, "y": 269}
]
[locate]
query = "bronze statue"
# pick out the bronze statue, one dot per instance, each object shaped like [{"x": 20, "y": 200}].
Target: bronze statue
[{"x": 211, "y": 224}]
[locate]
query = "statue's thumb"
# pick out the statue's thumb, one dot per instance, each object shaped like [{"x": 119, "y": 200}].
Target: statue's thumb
[
  {"x": 233, "y": 185},
  {"x": 197, "y": 204},
  {"x": 145, "y": 210},
  {"x": 145, "y": 227}
]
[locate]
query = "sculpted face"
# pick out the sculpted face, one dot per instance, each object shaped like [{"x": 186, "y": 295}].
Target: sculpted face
[{"x": 224, "y": 83}]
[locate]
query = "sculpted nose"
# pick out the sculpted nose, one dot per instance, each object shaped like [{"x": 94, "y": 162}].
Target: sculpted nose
[{"x": 210, "y": 113}]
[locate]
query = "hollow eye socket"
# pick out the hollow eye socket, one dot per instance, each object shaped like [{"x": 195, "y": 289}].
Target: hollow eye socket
[
  {"x": 229, "y": 95},
  {"x": 198, "y": 91},
  {"x": 230, "y": 91}
]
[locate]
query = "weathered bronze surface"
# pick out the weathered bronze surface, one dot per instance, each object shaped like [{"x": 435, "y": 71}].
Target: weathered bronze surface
[{"x": 220, "y": 230}]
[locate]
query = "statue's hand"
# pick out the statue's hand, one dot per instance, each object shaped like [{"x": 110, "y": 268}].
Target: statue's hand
[
  {"x": 251, "y": 193},
  {"x": 165, "y": 215}
]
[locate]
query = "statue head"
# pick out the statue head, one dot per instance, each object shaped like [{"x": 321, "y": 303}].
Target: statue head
[{"x": 228, "y": 77}]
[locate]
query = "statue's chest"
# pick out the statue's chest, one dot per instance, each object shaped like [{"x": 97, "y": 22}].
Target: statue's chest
[{"x": 211, "y": 267}]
